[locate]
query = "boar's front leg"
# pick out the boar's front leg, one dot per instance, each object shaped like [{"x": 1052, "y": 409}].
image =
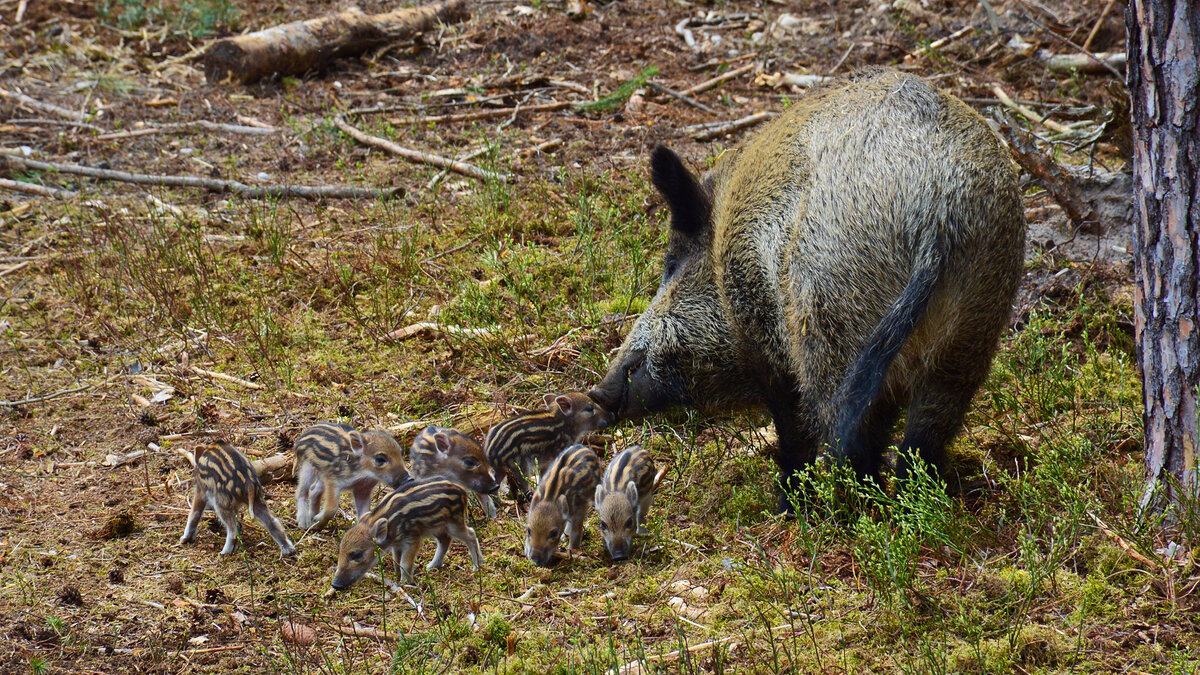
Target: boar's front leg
[{"x": 796, "y": 447}]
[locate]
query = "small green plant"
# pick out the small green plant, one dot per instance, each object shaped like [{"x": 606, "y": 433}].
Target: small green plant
[
  {"x": 622, "y": 93},
  {"x": 38, "y": 665},
  {"x": 193, "y": 18}
]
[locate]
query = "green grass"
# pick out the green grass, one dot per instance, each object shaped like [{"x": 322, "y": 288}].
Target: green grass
[{"x": 1013, "y": 573}]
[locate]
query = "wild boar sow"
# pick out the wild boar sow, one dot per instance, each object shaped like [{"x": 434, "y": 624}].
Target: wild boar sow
[{"x": 858, "y": 254}]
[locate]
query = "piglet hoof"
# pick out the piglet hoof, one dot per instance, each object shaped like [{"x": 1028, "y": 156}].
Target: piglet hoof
[
  {"x": 642, "y": 531},
  {"x": 286, "y": 552},
  {"x": 184, "y": 539},
  {"x": 227, "y": 550}
]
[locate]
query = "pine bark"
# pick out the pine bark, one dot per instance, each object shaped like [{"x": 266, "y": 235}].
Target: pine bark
[
  {"x": 1163, "y": 73},
  {"x": 303, "y": 46}
]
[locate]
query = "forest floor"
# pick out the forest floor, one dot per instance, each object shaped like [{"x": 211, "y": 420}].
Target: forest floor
[{"x": 119, "y": 304}]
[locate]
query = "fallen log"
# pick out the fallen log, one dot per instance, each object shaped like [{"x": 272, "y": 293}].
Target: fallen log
[
  {"x": 274, "y": 468},
  {"x": 302, "y": 46}
]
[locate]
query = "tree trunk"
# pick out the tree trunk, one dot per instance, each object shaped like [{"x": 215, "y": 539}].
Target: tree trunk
[
  {"x": 1164, "y": 88},
  {"x": 299, "y": 47}
]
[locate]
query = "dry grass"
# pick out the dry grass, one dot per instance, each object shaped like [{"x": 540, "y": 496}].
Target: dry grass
[{"x": 129, "y": 291}]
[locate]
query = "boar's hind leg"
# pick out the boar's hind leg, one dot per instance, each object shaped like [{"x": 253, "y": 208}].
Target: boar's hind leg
[
  {"x": 867, "y": 446},
  {"x": 935, "y": 414}
]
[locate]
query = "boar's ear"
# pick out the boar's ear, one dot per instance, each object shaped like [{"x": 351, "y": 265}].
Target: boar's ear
[
  {"x": 379, "y": 531},
  {"x": 442, "y": 442},
  {"x": 599, "y": 499},
  {"x": 548, "y": 400},
  {"x": 357, "y": 442},
  {"x": 564, "y": 404},
  {"x": 690, "y": 208},
  {"x": 631, "y": 492},
  {"x": 562, "y": 504}
]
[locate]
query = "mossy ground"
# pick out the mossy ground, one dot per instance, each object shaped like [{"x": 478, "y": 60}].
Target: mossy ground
[{"x": 1037, "y": 562}]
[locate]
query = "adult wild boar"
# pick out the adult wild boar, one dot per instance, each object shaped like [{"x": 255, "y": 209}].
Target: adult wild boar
[{"x": 859, "y": 253}]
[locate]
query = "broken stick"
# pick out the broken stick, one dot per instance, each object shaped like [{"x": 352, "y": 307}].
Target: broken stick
[
  {"x": 418, "y": 156},
  {"x": 214, "y": 184},
  {"x": 719, "y": 80},
  {"x": 707, "y": 132},
  {"x": 34, "y": 189},
  {"x": 1058, "y": 183},
  {"x": 301, "y": 46}
]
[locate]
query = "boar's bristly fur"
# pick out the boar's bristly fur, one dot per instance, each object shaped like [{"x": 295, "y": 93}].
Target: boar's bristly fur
[{"x": 858, "y": 254}]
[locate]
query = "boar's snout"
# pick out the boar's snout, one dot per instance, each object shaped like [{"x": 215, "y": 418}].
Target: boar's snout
[{"x": 628, "y": 390}]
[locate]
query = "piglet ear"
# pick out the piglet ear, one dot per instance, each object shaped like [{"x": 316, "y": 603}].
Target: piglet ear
[
  {"x": 357, "y": 442},
  {"x": 631, "y": 492},
  {"x": 562, "y": 504},
  {"x": 442, "y": 442},
  {"x": 537, "y": 498},
  {"x": 564, "y": 404},
  {"x": 599, "y": 499},
  {"x": 691, "y": 211},
  {"x": 379, "y": 531},
  {"x": 548, "y": 400}
]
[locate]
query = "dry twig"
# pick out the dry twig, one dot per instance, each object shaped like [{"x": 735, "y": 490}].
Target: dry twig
[
  {"x": 215, "y": 184},
  {"x": 480, "y": 114},
  {"x": 33, "y": 103},
  {"x": 681, "y": 96},
  {"x": 34, "y": 189},
  {"x": 418, "y": 156},
  {"x": 189, "y": 126},
  {"x": 719, "y": 80},
  {"x": 710, "y": 131},
  {"x": 426, "y": 327},
  {"x": 47, "y": 397},
  {"x": 1029, "y": 114}
]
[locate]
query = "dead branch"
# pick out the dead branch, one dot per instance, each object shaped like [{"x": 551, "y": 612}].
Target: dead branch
[
  {"x": 1029, "y": 114},
  {"x": 34, "y": 189},
  {"x": 480, "y": 114},
  {"x": 777, "y": 80},
  {"x": 226, "y": 378},
  {"x": 189, "y": 126},
  {"x": 426, "y": 327},
  {"x": 303, "y": 46},
  {"x": 1085, "y": 63},
  {"x": 64, "y": 123},
  {"x": 710, "y": 131},
  {"x": 681, "y": 97},
  {"x": 938, "y": 44},
  {"x": 1058, "y": 183},
  {"x": 47, "y": 397},
  {"x": 418, "y": 156},
  {"x": 1087, "y": 44},
  {"x": 34, "y": 104},
  {"x": 719, "y": 80},
  {"x": 540, "y": 148},
  {"x": 364, "y": 631},
  {"x": 214, "y": 184}
]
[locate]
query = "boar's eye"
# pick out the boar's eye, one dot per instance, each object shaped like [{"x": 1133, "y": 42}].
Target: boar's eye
[
  {"x": 554, "y": 533},
  {"x": 470, "y": 463},
  {"x": 629, "y": 524},
  {"x": 357, "y": 556},
  {"x": 603, "y": 526},
  {"x": 591, "y": 408},
  {"x": 381, "y": 459}
]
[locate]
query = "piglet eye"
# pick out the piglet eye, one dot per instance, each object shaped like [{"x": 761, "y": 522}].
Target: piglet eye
[
  {"x": 470, "y": 463},
  {"x": 554, "y": 534},
  {"x": 356, "y": 556},
  {"x": 380, "y": 459},
  {"x": 629, "y": 524},
  {"x": 603, "y": 526}
]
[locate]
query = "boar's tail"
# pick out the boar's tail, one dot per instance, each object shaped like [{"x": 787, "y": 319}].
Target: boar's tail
[{"x": 867, "y": 374}]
